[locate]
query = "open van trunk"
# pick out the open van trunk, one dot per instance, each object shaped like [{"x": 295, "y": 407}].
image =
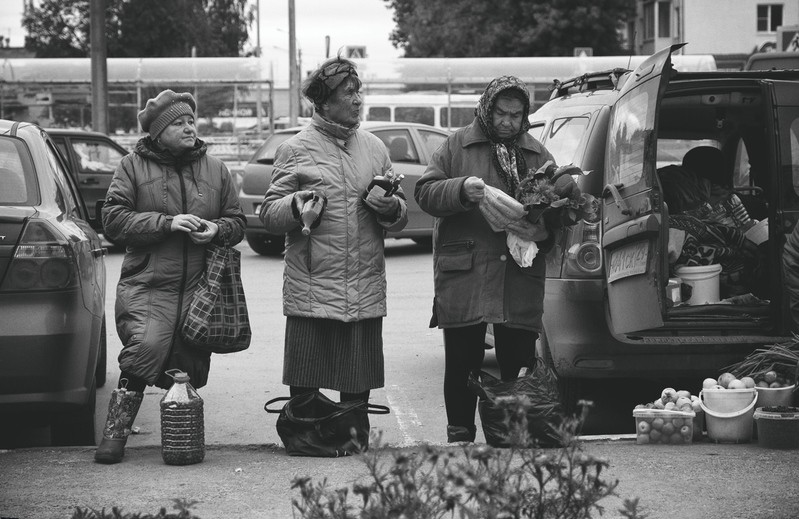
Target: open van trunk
[{"x": 654, "y": 222}]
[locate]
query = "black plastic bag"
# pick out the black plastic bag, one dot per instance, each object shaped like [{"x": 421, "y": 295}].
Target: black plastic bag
[
  {"x": 539, "y": 388},
  {"x": 311, "y": 424}
]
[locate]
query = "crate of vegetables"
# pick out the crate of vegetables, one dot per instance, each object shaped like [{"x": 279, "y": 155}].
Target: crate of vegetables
[{"x": 660, "y": 426}]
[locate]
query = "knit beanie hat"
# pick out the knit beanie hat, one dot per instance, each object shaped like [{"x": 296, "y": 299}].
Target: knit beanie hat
[{"x": 165, "y": 108}]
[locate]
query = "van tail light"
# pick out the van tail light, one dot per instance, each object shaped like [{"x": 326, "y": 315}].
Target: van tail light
[
  {"x": 583, "y": 250},
  {"x": 43, "y": 260}
]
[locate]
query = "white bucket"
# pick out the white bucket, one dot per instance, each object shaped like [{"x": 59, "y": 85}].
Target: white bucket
[
  {"x": 704, "y": 280},
  {"x": 734, "y": 427}
]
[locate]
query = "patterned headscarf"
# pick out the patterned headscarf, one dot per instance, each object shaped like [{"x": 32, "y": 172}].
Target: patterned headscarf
[
  {"x": 323, "y": 81},
  {"x": 506, "y": 153}
]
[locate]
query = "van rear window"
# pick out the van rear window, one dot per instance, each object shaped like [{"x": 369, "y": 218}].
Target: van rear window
[
  {"x": 461, "y": 116},
  {"x": 379, "y": 113},
  {"x": 415, "y": 114}
]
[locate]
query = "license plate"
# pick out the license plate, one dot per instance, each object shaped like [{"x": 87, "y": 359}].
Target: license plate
[{"x": 629, "y": 260}]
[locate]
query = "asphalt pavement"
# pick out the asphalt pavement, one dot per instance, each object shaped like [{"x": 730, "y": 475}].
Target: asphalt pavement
[{"x": 700, "y": 480}]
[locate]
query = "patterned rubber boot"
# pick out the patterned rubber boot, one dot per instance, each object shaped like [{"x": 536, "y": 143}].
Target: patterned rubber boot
[
  {"x": 461, "y": 433},
  {"x": 122, "y": 410}
]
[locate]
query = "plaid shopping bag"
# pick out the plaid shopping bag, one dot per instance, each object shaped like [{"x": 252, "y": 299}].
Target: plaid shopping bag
[{"x": 217, "y": 320}]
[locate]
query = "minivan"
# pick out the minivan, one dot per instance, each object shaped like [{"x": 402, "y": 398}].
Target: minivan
[
  {"x": 610, "y": 311},
  {"x": 448, "y": 111}
]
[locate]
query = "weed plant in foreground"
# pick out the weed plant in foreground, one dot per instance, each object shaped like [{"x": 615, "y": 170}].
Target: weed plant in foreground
[{"x": 472, "y": 481}]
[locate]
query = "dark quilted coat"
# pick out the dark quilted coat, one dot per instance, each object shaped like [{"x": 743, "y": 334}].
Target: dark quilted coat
[{"x": 161, "y": 268}]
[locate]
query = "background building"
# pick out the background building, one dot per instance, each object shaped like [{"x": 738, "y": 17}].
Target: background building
[{"x": 730, "y": 30}]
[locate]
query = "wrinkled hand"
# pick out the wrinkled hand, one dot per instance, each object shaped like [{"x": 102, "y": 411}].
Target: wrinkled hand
[
  {"x": 529, "y": 231},
  {"x": 204, "y": 234},
  {"x": 299, "y": 199},
  {"x": 385, "y": 205},
  {"x": 474, "y": 189},
  {"x": 186, "y": 223}
]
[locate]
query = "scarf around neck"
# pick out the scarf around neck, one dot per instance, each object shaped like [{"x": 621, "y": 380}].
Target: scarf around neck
[
  {"x": 506, "y": 154},
  {"x": 335, "y": 130}
]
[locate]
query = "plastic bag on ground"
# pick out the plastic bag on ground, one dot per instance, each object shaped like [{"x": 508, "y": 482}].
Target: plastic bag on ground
[{"x": 538, "y": 388}]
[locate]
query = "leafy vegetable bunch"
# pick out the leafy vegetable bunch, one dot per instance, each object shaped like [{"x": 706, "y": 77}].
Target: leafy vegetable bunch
[{"x": 552, "y": 193}]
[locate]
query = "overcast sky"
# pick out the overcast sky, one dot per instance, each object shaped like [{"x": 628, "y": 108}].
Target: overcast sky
[{"x": 347, "y": 22}]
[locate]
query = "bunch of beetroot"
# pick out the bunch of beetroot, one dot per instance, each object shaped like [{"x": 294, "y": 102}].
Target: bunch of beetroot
[{"x": 551, "y": 193}]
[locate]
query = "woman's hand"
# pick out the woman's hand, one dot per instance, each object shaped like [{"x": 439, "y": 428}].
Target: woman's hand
[
  {"x": 186, "y": 223},
  {"x": 529, "y": 231},
  {"x": 205, "y": 233},
  {"x": 473, "y": 189},
  {"x": 385, "y": 205}
]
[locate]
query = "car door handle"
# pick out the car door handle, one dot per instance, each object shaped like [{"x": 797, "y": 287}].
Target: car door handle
[
  {"x": 97, "y": 253},
  {"x": 88, "y": 181},
  {"x": 613, "y": 189}
]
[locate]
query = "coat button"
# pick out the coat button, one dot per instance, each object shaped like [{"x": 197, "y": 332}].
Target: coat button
[{"x": 503, "y": 258}]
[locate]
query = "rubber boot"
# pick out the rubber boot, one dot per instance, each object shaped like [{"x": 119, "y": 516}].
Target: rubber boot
[
  {"x": 122, "y": 410},
  {"x": 461, "y": 433}
]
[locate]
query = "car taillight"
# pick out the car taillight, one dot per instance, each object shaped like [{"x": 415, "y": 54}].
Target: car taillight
[
  {"x": 41, "y": 261},
  {"x": 583, "y": 250}
]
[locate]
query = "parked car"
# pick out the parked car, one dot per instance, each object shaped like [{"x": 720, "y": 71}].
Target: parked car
[
  {"x": 773, "y": 60},
  {"x": 52, "y": 290},
  {"x": 410, "y": 146},
  {"x": 92, "y": 158},
  {"x": 607, "y": 311}
]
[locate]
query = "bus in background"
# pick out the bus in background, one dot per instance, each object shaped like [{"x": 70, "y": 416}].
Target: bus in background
[{"x": 449, "y": 111}]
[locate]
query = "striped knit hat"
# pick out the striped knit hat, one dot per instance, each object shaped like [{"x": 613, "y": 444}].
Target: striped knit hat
[{"x": 165, "y": 108}]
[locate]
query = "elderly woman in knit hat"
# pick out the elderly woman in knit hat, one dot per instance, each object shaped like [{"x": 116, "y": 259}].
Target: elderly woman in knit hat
[
  {"x": 167, "y": 201},
  {"x": 334, "y": 282}
]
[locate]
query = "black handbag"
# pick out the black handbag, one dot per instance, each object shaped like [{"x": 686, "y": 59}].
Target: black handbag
[
  {"x": 217, "y": 319},
  {"x": 311, "y": 424},
  {"x": 544, "y": 411}
]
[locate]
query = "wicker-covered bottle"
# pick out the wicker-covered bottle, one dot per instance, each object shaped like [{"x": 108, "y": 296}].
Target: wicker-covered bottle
[{"x": 182, "y": 422}]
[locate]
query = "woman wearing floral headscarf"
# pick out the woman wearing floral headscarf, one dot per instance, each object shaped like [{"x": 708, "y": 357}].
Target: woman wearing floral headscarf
[
  {"x": 476, "y": 280},
  {"x": 334, "y": 283}
]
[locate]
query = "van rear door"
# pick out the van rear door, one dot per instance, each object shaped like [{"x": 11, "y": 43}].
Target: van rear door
[{"x": 633, "y": 215}]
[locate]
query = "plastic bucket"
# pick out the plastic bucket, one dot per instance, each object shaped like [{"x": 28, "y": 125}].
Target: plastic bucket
[
  {"x": 704, "y": 281},
  {"x": 774, "y": 396},
  {"x": 734, "y": 427},
  {"x": 727, "y": 400},
  {"x": 777, "y": 429}
]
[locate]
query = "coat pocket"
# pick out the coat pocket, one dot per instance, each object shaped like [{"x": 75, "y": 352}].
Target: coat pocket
[
  {"x": 130, "y": 269},
  {"x": 458, "y": 289},
  {"x": 455, "y": 262}
]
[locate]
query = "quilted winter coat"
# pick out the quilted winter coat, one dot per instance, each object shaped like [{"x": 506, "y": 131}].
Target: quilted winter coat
[
  {"x": 161, "y": 268},
  {"x": 476, "y": 279},
  {"x": 338, "y": 271}
]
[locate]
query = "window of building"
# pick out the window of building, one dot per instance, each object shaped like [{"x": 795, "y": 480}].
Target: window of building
[
  {"x": 769, "y": 17},
  {"x": 649, "y": 21},
  {"x": 664, "y": 19}
]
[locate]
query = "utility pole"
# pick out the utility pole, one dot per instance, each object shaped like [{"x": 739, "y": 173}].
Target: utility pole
[
  {"x": 99, "y": 67},
  {"x": 294, "y": 89}
]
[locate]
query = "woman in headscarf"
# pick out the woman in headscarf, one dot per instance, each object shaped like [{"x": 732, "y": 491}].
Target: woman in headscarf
[
  {"x": 476, "y": 280},
  {"x": 167, "y": 201},
  {"x": 334, "y": 283}
]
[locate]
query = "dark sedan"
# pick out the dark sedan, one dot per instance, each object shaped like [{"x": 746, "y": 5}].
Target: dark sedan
[{"x": 52, "y": 291}]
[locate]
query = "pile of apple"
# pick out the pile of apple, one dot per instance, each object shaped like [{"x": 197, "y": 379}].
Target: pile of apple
[
  {"x": 769, "y": 379},
  {"x": 665, "y": 428}
]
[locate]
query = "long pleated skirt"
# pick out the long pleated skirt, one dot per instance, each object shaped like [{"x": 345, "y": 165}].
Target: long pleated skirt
[{"x": 330, "y": 354}]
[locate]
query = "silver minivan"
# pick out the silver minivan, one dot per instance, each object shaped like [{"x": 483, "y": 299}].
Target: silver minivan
[{"x": 610, "y": 309}]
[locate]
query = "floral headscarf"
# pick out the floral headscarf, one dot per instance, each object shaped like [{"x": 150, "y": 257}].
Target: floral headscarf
[
  {"x": 506, "y": 152},
  {"x": 323, "y": 81}
]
